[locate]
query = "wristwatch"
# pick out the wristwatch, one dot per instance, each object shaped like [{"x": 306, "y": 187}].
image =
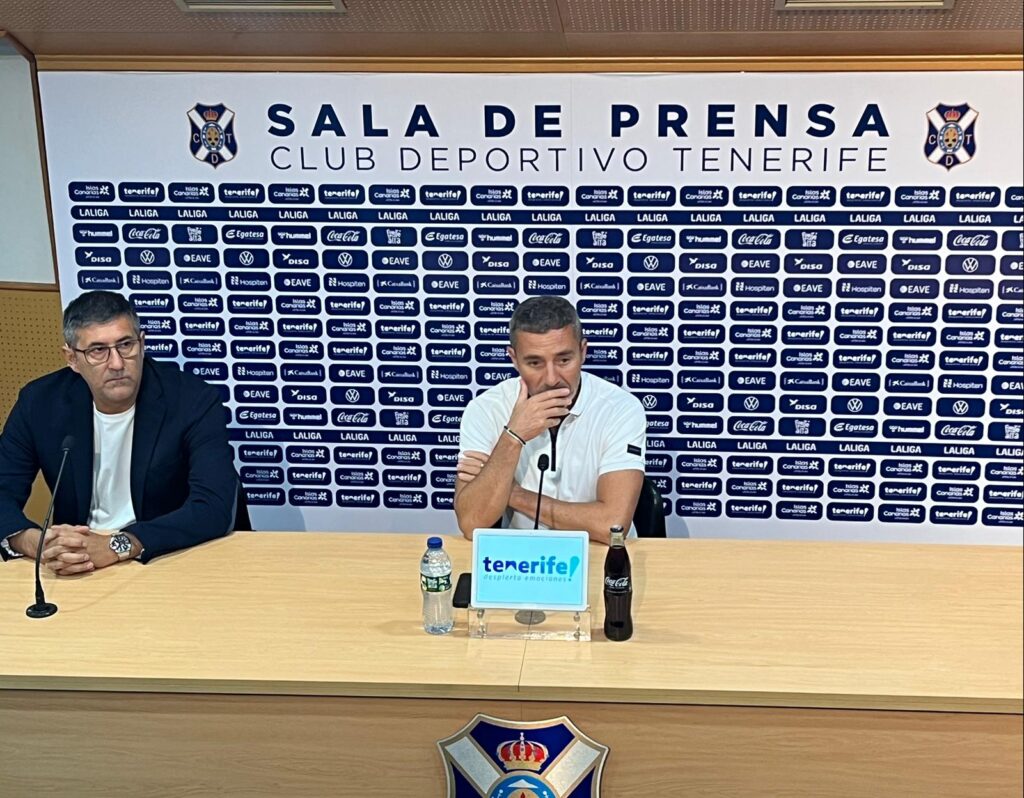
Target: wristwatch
[{"x": 121, "y": 545}]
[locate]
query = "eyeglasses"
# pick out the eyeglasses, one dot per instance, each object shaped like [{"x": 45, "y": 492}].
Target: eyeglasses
[{"x": 97, "y": 355}]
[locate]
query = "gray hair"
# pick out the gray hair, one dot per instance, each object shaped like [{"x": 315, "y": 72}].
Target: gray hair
[
  {"x": 541, "y": 314},
  {"x": 97, "y": 307}
]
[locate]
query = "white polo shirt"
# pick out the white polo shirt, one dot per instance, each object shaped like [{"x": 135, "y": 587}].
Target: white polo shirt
[{"x": 605, "y": 431}]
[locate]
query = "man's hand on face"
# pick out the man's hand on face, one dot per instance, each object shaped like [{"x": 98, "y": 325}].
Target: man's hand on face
[
  {"x": 470, "y": 465},
  {"x": 531, "y": 415},
  {"x": 72, "y": 550}
]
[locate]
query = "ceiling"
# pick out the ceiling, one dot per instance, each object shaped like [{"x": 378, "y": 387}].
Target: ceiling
[{"x": 512, "y": 29}]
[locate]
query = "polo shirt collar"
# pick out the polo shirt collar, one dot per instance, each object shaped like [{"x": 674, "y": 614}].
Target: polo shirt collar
[{"x": 584, "y": 397}]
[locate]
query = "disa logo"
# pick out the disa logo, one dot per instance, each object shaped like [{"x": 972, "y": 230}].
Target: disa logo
[{"x": 213, "y": 134}]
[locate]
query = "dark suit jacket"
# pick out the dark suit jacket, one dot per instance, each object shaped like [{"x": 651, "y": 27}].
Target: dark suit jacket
[{"x": 183, "y": 479}]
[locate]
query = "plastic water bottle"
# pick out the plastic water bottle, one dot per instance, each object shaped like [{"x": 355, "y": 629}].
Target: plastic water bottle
[{"x": 436, "y": 585}]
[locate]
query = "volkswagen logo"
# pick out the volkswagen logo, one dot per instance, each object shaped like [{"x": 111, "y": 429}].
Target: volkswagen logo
[
  {"x": 651, "y": 263},
  {"x": 147, "y": 257},
  {"x": 855, "y": 405},
  {"x": 246, "y": 258},
  {"x": 649, "y": 401},
  {"x": 445, "y": 261},
  {"x": 344, "y": 259},
  {"x": 352, "y": 395},
  {"x": 961, "y": 407},
  {"x": 751, "y": 403},
  {"x": 971, "y": 265}
]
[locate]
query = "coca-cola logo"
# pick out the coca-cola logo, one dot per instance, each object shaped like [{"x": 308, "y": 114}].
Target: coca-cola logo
[
  {"x": 617, "y": 583},
  {"x": 341, "y": 417},
  {"x": 976, "y": 240},
  {"x": 958, "y": 430},
  {"x": 343, "y": 236},
  {"x": 751, "y": 240},
  {"x": 757, "y": 425},
  {"x": 144, "y": 234},
  {"x": 539, "y": 239}
]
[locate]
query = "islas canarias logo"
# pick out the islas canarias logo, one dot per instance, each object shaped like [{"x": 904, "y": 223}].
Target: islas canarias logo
[
  {"x": 212, "y": 139},
  {"x": 950, "y": 141},
  {"x": 497, "y": 758}
]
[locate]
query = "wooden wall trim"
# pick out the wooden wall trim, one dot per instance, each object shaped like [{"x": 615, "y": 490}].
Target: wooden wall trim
[
  {"x": 15, "y": 286},
  {"x": 528, "y": 65}
]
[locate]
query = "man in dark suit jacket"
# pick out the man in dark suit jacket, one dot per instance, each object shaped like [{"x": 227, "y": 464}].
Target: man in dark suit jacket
[{"x": 150, "y": 470}]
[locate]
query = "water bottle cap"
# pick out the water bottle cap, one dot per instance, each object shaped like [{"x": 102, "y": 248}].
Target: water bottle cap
[{"x": 434, "y": 543}]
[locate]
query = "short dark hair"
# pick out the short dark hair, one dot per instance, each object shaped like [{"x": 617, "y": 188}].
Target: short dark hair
[
  {"x": 541, "y": 314},
  {"x": 96, "y": 307}
]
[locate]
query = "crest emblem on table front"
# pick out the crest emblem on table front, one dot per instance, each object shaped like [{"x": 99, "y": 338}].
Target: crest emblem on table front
[{"x": 496, "y": 758}]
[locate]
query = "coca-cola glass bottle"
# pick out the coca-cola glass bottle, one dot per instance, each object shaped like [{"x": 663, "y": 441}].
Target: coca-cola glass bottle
[{"x": 618, "y": 589}]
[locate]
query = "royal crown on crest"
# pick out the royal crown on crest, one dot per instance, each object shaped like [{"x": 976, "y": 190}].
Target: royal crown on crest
[
  {"x": 952, "y": 115},
  {"x": 522, "y": 754},
  {"x": 210, "y": 115}
]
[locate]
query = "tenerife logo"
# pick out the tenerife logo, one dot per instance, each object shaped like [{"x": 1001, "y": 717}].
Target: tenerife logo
[
  {"x": 213, "y": 134},
  {"x": 495, "y": 758},
  {"x": 950, "y": 140}
]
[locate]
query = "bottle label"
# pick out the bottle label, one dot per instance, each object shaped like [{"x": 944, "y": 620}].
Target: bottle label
[
  {"x": 618, "y": 584},
  {"x": 436, "y": 584}
]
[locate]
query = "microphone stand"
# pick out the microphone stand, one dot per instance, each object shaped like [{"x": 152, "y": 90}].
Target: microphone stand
[{"x": 42, "y": 608}]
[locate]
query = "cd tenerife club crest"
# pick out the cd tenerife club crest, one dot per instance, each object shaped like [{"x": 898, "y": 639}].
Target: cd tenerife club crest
[
  {"x": 495, "y": 758},
  {"x": 212, "y": 139},
  {"x": 950, "y": 140}
]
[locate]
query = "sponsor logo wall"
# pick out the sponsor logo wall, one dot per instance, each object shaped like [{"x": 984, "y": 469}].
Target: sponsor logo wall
[{"x": 813, "y": 283}]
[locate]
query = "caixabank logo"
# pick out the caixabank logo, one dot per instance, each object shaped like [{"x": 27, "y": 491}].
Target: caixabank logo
[
  {"x": 212, "y": 139},
  {"x": 950, "y": 140}
]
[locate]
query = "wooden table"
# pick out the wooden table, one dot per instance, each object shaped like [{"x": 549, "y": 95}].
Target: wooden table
[{"x": 294, "y": 664}]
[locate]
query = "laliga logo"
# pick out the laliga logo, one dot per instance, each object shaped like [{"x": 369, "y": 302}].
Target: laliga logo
[
  {"x": 213, "y": 134},
  {"x": 950, "y": 138}
]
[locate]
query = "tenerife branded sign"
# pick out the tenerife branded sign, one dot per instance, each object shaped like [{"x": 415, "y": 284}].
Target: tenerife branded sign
[{"x": 812, "y": 283}]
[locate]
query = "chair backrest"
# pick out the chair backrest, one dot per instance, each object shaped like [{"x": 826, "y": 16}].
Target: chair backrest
[
  {"x": 242, "y": 522},
  {"x": 649, "y": 516}
]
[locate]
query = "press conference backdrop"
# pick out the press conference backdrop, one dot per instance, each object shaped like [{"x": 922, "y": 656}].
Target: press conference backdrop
[{"x": 813, "y": 282}]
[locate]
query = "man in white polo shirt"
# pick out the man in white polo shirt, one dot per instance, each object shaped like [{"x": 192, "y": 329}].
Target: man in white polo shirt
[{"x": 592, "y": 433}]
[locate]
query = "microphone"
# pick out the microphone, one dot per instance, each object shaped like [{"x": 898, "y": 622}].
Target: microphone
[
  {"x": 542, "y": 464},
  {"x": 43, "y": 609},
  {"x": 553, "y": 432}
]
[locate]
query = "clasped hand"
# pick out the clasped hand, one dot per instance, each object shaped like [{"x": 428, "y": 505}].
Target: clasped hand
[{"x": 69, "y": 550}]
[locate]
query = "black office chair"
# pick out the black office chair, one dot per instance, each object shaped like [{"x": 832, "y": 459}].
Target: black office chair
[
  {"x": 649, "y": 516},
  {"x": 242, "y": 522}
]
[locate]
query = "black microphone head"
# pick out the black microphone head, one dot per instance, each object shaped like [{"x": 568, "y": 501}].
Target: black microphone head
[
  {"x": 543, "y": 462},
  {"x": 68, "y": 443}
]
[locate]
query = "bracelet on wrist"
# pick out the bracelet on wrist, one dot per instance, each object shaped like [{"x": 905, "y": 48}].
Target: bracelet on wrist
[{"x": 513, "y": 435}]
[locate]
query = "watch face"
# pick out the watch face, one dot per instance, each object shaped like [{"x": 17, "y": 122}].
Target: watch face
[{"x": 120, "y": 544}]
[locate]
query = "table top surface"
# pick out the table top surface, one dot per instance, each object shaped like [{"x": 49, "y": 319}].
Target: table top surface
[{"x": 872, "y": 626}]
